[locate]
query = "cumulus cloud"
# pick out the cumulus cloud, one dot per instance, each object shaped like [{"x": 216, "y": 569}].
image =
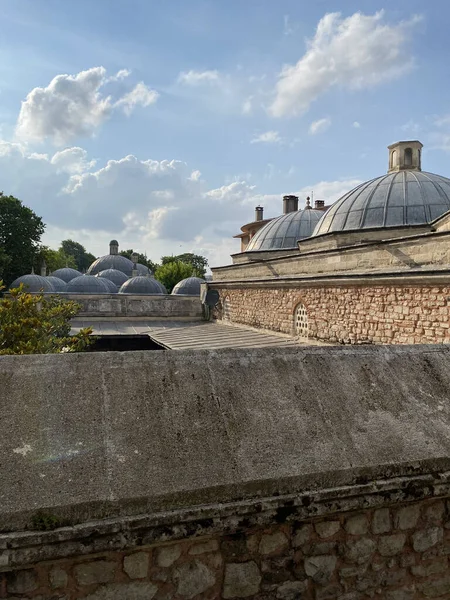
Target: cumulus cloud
[
  {"x": 74, "y": 106},
  {"x": 72, "y": 160},
  {"x": 141, "y": 95},
  {"x": 356, "y": 125},
  {"x": 198, "y": 77},
  {"x": 269, "y": 137},
  {"x": 319, "y": 126},
  {"x": 356, "y": 52}
]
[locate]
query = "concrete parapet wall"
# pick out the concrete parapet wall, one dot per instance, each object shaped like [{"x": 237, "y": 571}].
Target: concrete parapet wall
[{"x": 131, "y": 305}]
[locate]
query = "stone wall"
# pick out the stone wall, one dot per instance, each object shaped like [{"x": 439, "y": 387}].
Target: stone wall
[
  {"x": 350, "y": 314},
  {"x": 396, "y": 552}
]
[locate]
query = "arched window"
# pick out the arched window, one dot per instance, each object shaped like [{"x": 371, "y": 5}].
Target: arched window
[
  {"x": 408, "y": 157},
  {"x": 393, "y": 159},
  {"x": 301, "y": 321},
  {"x": 226, "y": 312}
]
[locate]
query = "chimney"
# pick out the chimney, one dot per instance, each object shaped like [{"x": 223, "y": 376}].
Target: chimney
[
  {"x": 259, "y": 212},
  {"x": 44, "y": 269},
  {"x": 405, "y": 156},
  {"x": 134, "y": 259},
  {"x": 290, "y": 204},
  {"x": 114, "y": 247},
  {"x": 319, "y": 204}
]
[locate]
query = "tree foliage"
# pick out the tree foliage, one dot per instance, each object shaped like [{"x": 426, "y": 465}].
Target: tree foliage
[
  {"x": 54, "y": 259},
  {"x": 198, "y": 263},
  {"x": 82, "y": 259},
  {"x": 20, "y": 234},
  {"x": 170, "y": 273},
  {"x": 142, "y": 259},
  {"x": 32, "y": 324}
]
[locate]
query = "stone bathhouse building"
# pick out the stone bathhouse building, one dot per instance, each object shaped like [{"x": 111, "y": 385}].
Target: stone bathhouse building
[{"x": 373, "y": 268}]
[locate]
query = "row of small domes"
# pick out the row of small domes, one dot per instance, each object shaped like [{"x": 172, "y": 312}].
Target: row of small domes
[{"x": 110, "y": 281}]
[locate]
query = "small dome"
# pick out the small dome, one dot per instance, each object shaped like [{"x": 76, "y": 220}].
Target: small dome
[
  {"x": 111, "y": 261},
  {"x": 117, "y": 277},
  {"x": 143, "y": 270},
  {"x": 59, "y": 285},
  {"x": 284, "y": 232},
  {"x": 161, "y": 286},
  {"x": 113, "y": 243},
  {"x": 398, "y": 199},
  {"x": 87, "y": 284},
  {"x": 188, "y": 287},
  {"x": 141, "y": 285},
  {"x": 66, "y": 274},
  {"x": 33, "y": 283},
  {"x": 113, "y": 288}
]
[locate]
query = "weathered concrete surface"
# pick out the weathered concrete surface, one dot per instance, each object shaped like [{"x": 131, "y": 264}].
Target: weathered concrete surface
[{"x": 87, "y": 436}]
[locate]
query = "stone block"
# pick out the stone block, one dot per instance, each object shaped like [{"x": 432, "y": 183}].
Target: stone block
[
  {"x": 422, "y": 540},
  {"x": 320, "y": 568},
  {"x": 122, "y": 591},
  {"x": 360, "y": 550},
  {"x": 436, "y": 566},
  {"x": 167, "y": 555},
  {"x": 21, "y": 582},
  {"x": 291, "y": 590},
  {"x": 381, "y": 521},
  {"x": 58, "y": 578},
  {"x": 204, "y": 547},
  {"x": 406, "y": 594},
  {"x": 193, "y": 578},
  {"x": 273, "y": 542},
  {"x": 390, "y": 545},
  {"x": 99, "y": 571},
  {"x": 136, "y": 565},
  {"x": 302, "y": 535},
  {"x": 407, "y": 517},
  {"x": 241, "y": 580},
  {"x": 326, "y": 529},
  {"x": 436, "y": 588},
  {"x": 433, "y": 514},
  {"x": 356, "y": 525}
]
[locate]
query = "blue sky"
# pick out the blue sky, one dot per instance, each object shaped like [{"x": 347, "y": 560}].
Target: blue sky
[{"x": 164, "y": 123}]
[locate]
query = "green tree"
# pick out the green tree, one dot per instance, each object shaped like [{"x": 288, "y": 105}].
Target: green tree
[
  {"x": 32, "y": 324},
  {"x": 54, "y": 259},
  {"x": 20, "y": 234},
  {"x": 172, "y": 272},
  {"x": 142, "y": 259},
  {"x": 82, "y": 258},
  {"x": 198, "y": 263}
]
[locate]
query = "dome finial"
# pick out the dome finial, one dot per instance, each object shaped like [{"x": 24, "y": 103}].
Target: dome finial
[
  {"x": 405, "y": 156},
  {"x": 308, "y": 202},
  {"x": 114, "y": 247}
]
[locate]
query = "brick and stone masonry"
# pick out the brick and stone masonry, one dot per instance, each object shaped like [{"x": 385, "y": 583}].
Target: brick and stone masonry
[
  {"x": 396, "y": 552},
  {"x": 386, "y": 314}
]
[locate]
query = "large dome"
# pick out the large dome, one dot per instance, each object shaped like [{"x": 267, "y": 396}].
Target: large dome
[
  {"x": 188, "y": 287},
  {"x": 33, "y": 283},
  {"x": 111, "y": 261},
  {"x": 141, "y": 285},
  {"x": 86, "y": 284},
  {"x": 66, "y": 274},
  {"x": 405, "y": 196},
  {"x": 285, "y": 231}
]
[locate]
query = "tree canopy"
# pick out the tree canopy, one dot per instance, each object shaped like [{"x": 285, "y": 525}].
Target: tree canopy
[
  {"x": 20, "y": 233},
  {"x": 82, "y": 259},
  {"x": 170, "y": 273},
  {"x": 198, "y": 263},
  {"x": 54, "y": 259},
  {"x": 34, "y": 324}
]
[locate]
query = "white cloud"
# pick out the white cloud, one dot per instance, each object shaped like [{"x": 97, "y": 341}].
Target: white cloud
[
  {"x": 72, "y": 160},
  {"x": 319, "y": 126},
  {"x": 287, "y": 27},
  {"x": 356, "y": 124},
  {"x": 122, "y": 74},
  {"x": 74, "y": 106},
  {"x": 198, "y": 77},
  {"x": 141, "y": 95},
  {"x": 269, "y": 137},
  {"x": 355, "y": 52}
]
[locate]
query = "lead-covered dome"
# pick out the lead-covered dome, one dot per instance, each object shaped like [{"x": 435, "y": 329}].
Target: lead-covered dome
[
  {"x": 405, "y": 196},
  {"x": 117, "y": 277},
  {"x": 66, "y": 274},
  {"x": 33, "y": 283},
  {"x": 188, "y": 287},
  {"x": 111, "y": 261},
  {"x": 59, "y": 285},
  {"x": 284, "y": 232},
  {"x": 141, "y": 285},
  {"x": 87, "y": 284}
]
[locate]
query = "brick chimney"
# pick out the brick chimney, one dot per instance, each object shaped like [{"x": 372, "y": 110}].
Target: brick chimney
[
  {"x": 319, "y": 204},
  {"x": 290, "y": 204}
]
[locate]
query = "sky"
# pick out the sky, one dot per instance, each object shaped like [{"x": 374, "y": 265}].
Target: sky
[{"x": 163, "y": 124}]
